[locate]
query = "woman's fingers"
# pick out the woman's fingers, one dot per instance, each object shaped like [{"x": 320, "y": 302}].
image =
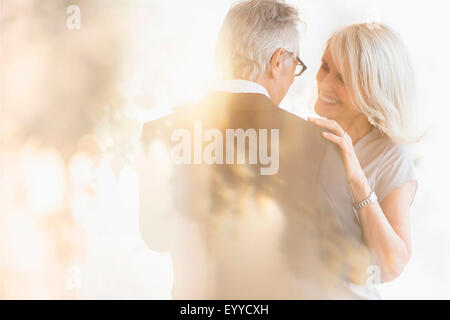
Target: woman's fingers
[
  {"x": 333, "y": 138},
  {"x": 328, "y": 124}
]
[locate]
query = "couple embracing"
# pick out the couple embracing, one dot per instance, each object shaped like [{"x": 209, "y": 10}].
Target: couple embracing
[{"x": 335, "y": 213}]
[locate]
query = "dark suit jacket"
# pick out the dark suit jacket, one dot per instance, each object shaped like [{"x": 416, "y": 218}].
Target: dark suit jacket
[{"x": 212, "y": 216}]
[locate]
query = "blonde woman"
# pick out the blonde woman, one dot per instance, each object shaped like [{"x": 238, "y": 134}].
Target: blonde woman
[{"x": 365, "y": 95}]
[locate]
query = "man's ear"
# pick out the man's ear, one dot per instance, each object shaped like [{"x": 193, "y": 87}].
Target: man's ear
[{"x": 276, "y": 62}]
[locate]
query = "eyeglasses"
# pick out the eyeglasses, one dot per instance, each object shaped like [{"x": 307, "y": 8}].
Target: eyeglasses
[{"x": 300, "y": 67}]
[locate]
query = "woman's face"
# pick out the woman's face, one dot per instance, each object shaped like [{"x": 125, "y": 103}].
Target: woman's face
[{"x": 334, "y": 99}]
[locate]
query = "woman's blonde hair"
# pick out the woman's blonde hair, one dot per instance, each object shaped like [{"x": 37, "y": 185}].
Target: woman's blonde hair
[{"x": 376, "y": 66}]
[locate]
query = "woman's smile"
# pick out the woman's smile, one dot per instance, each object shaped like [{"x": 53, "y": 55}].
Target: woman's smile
[{"x": 328, "y": 99}]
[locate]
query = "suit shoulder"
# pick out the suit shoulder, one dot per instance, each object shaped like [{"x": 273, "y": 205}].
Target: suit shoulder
[
  {"x": 158, "y": 128},
  {"x": 154, "y": 128},
  {"x": 302, "y": 124}
]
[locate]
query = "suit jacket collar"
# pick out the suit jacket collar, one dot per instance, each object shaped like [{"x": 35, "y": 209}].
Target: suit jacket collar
[
  {"x": 240, "y": 102},
  {"x": 239, "y": 86}
]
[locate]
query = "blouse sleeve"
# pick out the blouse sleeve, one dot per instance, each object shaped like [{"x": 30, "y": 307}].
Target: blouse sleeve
[{"x": 396, "y": 169}]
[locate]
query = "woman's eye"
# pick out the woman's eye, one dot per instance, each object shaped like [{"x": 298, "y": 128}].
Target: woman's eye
[
  {"x": 341, "y": 80},
  {"x": 324, "y": 67}
]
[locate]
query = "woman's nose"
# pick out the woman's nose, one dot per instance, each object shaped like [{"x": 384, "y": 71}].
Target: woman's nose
[{"x": 326, "y": 83}]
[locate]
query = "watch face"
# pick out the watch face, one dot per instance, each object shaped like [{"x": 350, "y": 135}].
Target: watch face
[{"x": 373, "y": 197}]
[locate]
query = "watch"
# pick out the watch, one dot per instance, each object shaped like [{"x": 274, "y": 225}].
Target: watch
[{"x": 370, "y": 200}]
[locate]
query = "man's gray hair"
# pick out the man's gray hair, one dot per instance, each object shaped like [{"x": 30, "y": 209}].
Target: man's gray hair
[{"x": 251, "y": 33}]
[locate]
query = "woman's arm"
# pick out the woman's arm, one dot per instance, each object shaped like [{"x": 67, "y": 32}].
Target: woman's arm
[{"x": 386, "y": 226}]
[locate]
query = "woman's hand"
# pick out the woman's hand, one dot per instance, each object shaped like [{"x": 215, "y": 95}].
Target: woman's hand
[{"x": 344, "y": 142}]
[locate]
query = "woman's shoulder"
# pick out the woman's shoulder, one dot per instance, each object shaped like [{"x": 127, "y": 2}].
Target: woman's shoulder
[
  {"x": 394, "y": 151},
  {"x": 395, "y": 166},
  {"x": 382, "y": 148}
]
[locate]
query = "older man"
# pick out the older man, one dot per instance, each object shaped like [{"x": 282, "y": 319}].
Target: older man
[{"x": 233, "y": 232}]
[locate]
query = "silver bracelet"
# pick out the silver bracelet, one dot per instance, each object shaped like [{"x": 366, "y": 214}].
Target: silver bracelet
[{"x": 372, "y": 199}]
